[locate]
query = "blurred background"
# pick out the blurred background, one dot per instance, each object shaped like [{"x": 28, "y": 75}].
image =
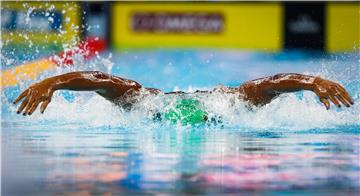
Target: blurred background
[
  {"x": 60, "y": 31},
  {"x": 266, "y": 26}
]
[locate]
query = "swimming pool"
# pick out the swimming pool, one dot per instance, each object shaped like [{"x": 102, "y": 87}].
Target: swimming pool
[{"x": 83, "y": 144}]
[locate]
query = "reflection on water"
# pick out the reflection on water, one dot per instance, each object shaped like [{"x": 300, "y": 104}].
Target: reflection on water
[{"x": 160, "y": 160}]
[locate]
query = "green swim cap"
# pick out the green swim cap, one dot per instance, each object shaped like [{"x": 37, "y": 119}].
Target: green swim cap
[{"x": 188, "y": 112}]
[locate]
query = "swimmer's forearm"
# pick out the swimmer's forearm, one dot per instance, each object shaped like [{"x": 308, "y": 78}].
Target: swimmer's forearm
[
  {"x": 106, "y": 85},
  {"x": 262, "y": 91},
  {"x": 78, "y": 81},
  {"x": 282, "y": 83}
]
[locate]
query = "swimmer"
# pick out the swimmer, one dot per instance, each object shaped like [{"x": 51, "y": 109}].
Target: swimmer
[{"x": 124, "y": 92}]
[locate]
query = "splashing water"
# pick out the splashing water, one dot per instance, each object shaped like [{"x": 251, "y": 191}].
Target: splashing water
[
  {"x": 288, "y": 112},
  {"x": 293, "y": 111}
]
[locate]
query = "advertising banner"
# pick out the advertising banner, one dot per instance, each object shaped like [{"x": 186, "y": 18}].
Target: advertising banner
[{"x": 40, "y": 23}]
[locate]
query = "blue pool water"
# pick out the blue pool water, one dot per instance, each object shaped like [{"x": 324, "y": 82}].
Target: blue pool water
[{"x": 83, "y": 144}]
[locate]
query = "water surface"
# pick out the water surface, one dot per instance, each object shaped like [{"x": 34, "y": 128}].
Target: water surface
[{"x": 83, "y": 144}]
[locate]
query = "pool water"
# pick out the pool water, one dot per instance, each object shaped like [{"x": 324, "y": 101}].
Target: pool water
[{"x": 83, "y": 144}]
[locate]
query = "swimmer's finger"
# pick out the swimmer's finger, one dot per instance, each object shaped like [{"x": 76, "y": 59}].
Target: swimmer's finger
[
  {"x": 44, "y": 105},
  {"x": 33, "y": 107},
  {"x": 342, "y": 100},
  {"x": 345, "y": 94},
  {"x": 332, "y": 99},
  {"x": 28, "y": 105},
  {"x": 22, "y": 95},
  {"x": 348, "y": 98},
  {"x": 22, "y": 105},
  {"x": 325, "y": 102}
]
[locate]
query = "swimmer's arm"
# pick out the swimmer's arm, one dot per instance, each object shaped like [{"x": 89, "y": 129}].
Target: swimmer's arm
[
  {"x": 262, "y": 91},
  {"x": 108, "y": 86}
]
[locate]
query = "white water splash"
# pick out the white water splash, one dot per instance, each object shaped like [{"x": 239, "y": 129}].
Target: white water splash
[{"x": 288, "y": 112}]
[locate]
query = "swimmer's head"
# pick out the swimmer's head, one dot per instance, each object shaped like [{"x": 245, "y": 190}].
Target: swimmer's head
[{"x": 187, "y": 112}]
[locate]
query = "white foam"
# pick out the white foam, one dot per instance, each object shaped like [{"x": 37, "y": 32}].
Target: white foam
[{"x": 288, "y": 112}]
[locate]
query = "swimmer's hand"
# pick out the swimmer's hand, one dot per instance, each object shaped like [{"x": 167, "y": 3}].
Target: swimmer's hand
[
  {"x": 37, "y": 93},
  {"x": 327, "y": 90}
]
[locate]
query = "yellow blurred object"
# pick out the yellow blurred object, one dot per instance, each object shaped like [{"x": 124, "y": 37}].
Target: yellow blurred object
[
  {"x": 28, "y": 71},
  {"x": 70, "y": 22},
  {"x": 343, "y": 27},
  {"x": 246, "y": 25}
]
